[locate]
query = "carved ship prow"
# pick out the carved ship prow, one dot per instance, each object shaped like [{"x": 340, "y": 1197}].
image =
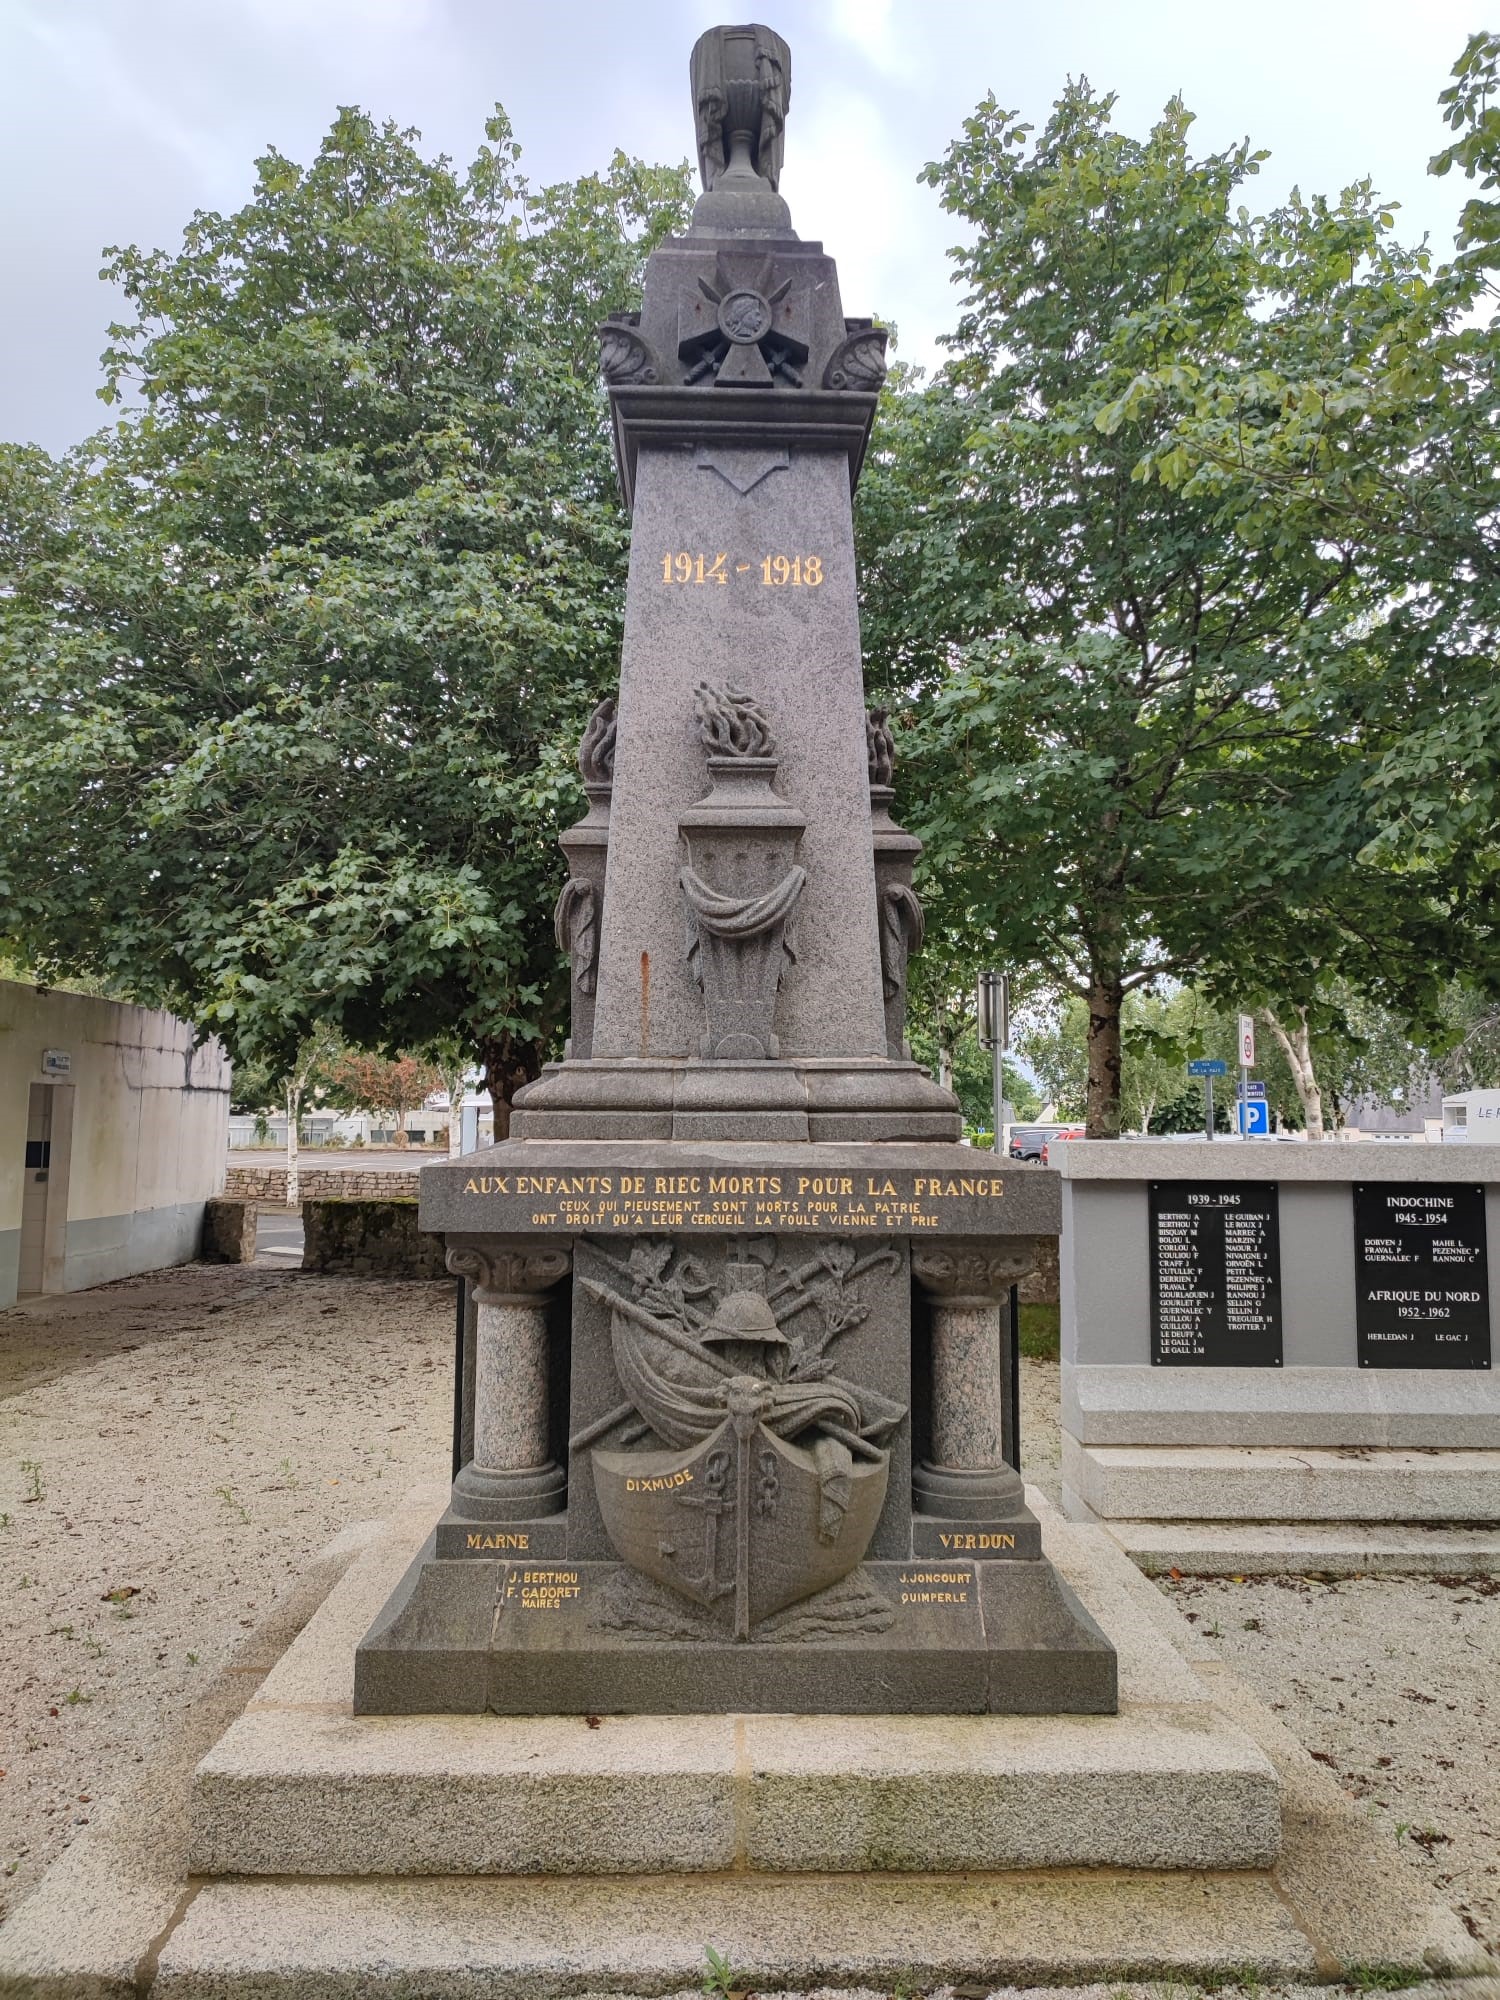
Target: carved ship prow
[{"x": 742, "y": 1522}]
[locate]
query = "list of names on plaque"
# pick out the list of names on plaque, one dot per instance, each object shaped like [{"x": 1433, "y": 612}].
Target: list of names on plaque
[
  {"x": 1215, "y": 1275},
  {"x": 1421, "y": 1272}
]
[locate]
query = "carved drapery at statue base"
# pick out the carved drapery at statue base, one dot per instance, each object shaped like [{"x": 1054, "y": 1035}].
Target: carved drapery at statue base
[{"x": 738, "y": 1424}]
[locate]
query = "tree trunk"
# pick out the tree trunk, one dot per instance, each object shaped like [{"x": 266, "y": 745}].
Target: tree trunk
[
  {"x": 945, "y": 1066},
  {"x": 508, "y": 1065},
  {"x": 1296, "y": 1046},
  {"x": 293, "y": 1120},
  {"x": 1106, "y": 997}
]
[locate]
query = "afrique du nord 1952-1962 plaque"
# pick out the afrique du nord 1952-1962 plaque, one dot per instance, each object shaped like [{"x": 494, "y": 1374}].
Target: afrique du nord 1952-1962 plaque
[
  {"x": 1422, "y": 1288},
  {"x": 1215, "y": 1275}
]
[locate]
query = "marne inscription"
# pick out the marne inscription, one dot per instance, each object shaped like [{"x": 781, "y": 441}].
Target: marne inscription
[{"x": 783, "y": 1201}]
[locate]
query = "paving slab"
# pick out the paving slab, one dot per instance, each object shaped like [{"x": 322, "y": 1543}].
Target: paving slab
[
  {"x": 646, "y": 1935},
  {"x": 1265, "y": 1483}
]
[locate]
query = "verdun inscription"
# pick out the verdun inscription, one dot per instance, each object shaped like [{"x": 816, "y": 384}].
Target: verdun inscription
[{"x": 738, "y": 1377}]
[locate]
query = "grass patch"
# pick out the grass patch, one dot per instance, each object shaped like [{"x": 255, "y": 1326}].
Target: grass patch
[{"x": 1039, "y": 1332}]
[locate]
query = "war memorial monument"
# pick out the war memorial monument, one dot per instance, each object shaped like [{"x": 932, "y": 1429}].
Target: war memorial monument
[
  {"x": 737, "y": 1629},
  {"x": 738, "y": 1438}
]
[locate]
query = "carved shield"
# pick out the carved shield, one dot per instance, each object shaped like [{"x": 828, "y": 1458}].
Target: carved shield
[{"x": 748, "y": 1523}]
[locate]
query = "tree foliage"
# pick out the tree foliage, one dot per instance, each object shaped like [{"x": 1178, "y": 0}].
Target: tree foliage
[
  {"x": 1147, "y": 710},
  {"x": 296, "y": 651}
]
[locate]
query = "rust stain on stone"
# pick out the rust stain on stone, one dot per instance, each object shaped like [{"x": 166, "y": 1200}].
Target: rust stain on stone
[{"x": 645, "y": 1001}]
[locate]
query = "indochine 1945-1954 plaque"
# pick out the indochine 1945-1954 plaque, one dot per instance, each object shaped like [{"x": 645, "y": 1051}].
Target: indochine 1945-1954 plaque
[
  {"x": 1421, "y": 1276},
  {"x": 1215, "y": 1275}
]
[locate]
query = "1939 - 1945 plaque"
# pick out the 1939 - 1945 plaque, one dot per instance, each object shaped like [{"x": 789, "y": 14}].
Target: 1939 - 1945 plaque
[{"x": 738, "y": 1393}]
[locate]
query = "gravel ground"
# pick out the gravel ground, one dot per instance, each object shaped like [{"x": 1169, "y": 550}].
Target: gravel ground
[
  {"x": 1393, "y": 1683},
  {"x": 194, "y": 1437},
  {"x": 197, "y": 1435}
]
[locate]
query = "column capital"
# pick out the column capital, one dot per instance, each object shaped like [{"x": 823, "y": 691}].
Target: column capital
[
  {"x": 510, "y": 1270},
  {"x": 973, "y": 1274}
]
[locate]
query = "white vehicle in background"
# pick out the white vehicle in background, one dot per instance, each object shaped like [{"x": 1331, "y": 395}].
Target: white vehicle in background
[{"x": 1472, "y": 1115}]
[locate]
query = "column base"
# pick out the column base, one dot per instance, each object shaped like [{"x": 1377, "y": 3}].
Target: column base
[
  {"x": 484, "y": 1493},
  {"x": 963, "y": 1493}
]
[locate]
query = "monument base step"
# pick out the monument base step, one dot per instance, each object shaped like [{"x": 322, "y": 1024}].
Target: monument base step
[
  {"x": 932, "y": 1636},
  {"x": 529, "y": 1940},
  {"x": 302, "y": 1785},
  {"x": 1266, "y": 1483},
  {"x": 1297, "y": 1548},
  {"x": 118, "y": 1917}
]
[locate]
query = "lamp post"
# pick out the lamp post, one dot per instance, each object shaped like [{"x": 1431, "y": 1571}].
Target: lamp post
[{"x": 994, "y": 1035}]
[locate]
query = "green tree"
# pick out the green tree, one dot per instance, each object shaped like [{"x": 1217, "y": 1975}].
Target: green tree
[
  {"x": 294, "y": 654},
  {"x": 1132, "y": 692}
]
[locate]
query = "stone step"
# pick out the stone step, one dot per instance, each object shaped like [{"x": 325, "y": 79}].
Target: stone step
[
  {"x": 1269, "y": 1483},
  {"x": 301, "y": 1785},
  {"x": 533, "y": 1940},
  {"x": 1155, "y": 1788},
  {"x": 1296, "y": 1548}
]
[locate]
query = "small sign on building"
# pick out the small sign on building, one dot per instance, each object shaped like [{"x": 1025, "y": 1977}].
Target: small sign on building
[{"x": 56, "y": 1062}]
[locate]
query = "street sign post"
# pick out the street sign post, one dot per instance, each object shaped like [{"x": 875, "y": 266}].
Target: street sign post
[
  {"x": 1247, "y": 1063},
  {"x": 1255, "y": 1118},
  {"x": 1208, "y": 1067},
  {"x": 993, "y": 1006}
]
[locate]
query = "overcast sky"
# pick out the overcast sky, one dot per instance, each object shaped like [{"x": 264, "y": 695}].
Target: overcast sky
[{"x": 119, "y": 117}]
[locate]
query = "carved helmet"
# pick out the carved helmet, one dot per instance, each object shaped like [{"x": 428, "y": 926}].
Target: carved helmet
[{"x": 744, "y": 1312}]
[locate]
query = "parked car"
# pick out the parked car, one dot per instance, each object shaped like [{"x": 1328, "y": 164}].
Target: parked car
[
  {"x": 1027, "y": 1141},
  {"x": 1063, "y": 1132}
]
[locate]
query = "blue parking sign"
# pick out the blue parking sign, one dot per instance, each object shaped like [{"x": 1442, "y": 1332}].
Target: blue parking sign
[{"x": 1255, "y": 1118}]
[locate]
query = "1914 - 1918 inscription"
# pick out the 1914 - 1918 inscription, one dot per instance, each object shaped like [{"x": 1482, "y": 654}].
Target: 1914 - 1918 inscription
[
  {"x": 1422, "y": 1291},
  {"x": 1215, "y": 1275}
]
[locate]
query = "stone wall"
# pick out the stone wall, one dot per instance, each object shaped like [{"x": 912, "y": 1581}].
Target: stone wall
[
  {"x": 363, "y": 1238},
  {"x": 1040, "y": 1288},
  {"x": 229, "y": 1229},
  {"x": 351, "y": 1183}
]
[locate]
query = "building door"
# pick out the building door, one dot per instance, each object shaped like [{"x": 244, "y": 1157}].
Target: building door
[{"x": 34, "y": 1190}]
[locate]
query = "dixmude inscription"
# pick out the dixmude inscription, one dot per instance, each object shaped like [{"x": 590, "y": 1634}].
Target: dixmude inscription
[{"x": 737, "y": 1371}]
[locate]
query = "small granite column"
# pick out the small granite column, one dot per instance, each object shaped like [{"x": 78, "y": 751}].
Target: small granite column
[
  {"x": 967, "y": 1477},
  {"x": 512, "y": 1476}
]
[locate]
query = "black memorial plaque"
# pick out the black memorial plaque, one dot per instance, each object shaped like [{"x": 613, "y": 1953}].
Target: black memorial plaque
[
  {"x": 1215, "y": 1275},
  {"x": 1421, "y": 1272}
]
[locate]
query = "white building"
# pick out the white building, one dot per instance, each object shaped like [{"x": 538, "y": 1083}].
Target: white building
[{"x": 117, "y": 1127}]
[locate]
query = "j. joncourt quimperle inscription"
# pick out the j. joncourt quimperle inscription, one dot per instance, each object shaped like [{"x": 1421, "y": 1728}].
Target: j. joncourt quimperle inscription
[{"x": 735, "y": 1374}]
